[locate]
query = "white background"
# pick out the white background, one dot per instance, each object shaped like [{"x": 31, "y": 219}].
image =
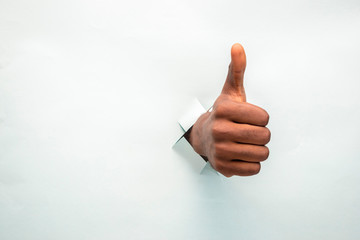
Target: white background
[{"x": 90, "y": 95}]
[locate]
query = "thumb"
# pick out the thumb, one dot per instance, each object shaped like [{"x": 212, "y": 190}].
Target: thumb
[{"x": 234, "y": 85}]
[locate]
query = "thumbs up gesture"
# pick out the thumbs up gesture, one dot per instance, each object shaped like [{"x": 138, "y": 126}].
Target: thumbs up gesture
[{"x": 233, "y": 135}]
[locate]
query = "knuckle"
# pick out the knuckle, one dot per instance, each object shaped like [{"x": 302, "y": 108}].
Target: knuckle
[
  {"x": 216, "y": 130},
  {"x": 218, "y": 150},
  {"x": 252, "y": 169},
  {"x": 220, "y": 110},
  {"x": 218, "y": 165},
  {"x": 266, "y": 118},
  {"x": 265, "y": 153},
  {"x": 256, "y": 169},
  {"x": 267, "y": 135}
]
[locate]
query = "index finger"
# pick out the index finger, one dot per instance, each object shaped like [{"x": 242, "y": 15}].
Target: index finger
[{"x": 242, "y": 112}]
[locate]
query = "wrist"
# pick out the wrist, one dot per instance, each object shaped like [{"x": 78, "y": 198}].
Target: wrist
[{"x": 194, "y": 135}]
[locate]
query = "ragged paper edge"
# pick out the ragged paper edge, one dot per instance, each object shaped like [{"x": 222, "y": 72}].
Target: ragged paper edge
[{"x": 194, "y": 111}]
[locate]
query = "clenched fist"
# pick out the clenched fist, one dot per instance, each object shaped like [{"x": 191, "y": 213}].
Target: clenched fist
[{"x": 233, "y": 135}]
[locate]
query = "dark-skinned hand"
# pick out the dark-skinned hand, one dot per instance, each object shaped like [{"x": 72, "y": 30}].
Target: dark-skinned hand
[{"x": 233, "y": 135}]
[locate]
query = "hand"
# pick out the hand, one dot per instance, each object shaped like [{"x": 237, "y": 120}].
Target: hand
[{"x": 233, "y": 135}]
